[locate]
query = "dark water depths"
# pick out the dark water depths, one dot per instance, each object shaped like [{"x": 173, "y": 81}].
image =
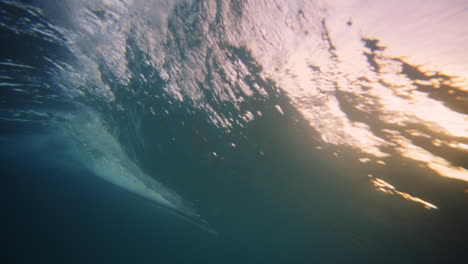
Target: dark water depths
[{"x": 227, "y": 132}]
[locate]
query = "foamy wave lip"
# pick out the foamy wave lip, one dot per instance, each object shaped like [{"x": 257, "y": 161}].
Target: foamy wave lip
[{"x": 100, "y": 152}]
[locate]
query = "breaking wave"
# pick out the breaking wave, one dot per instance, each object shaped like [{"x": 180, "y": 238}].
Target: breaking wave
[{"x": 109, "y": 74}]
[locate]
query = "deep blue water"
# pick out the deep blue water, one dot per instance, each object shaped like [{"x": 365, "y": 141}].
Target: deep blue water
[
  {"x": 57, "y": 215},
  {"x": 157, "y": 132}
]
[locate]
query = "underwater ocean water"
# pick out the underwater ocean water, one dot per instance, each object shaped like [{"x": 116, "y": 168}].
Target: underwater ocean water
[{"x": 237, "y": 131}]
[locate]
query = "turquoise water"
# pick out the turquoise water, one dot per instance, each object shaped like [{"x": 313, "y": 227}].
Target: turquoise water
[{"x": 232, "y": 132}]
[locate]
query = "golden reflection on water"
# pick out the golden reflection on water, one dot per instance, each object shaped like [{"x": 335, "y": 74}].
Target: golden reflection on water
[
  {"x": 387, "y": 188},
  {"x": 373, "y": 76},
  {"x": 392, "y": 97},
  {"x": 392, "y": 92},
  {"x": 438, "y": 164}
]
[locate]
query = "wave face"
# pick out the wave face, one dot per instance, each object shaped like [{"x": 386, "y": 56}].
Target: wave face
[{"x": 137, "y": 86}]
